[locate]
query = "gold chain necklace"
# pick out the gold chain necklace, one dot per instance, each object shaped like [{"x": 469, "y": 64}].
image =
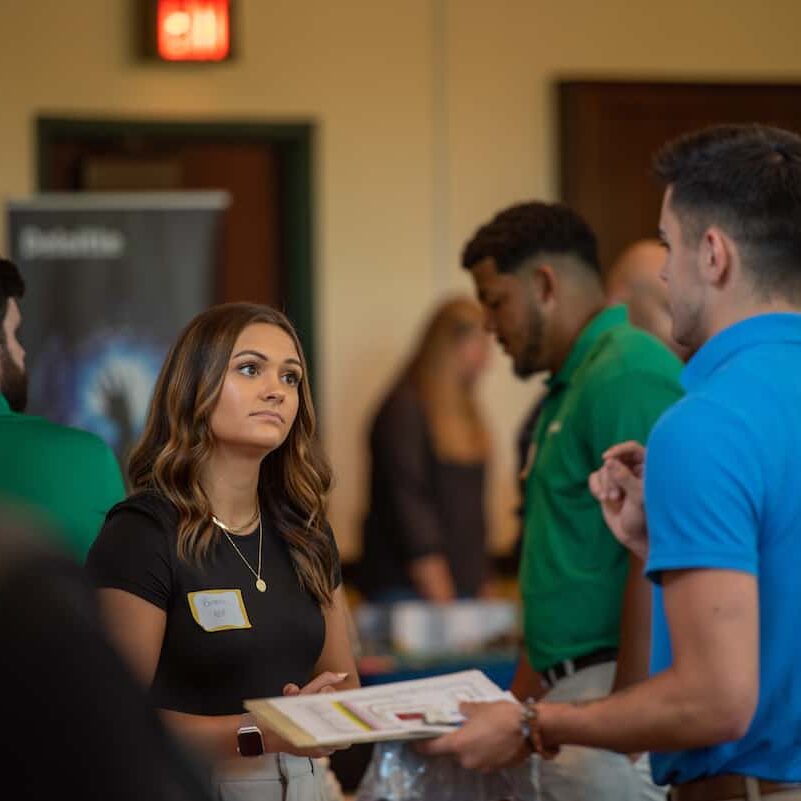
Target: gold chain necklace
[
  {"x": 236, "y": 529},
  {"x": 261, "y": 584}
]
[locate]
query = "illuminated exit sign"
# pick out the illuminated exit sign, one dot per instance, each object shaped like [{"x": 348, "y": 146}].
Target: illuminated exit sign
[{"x": 189, "y": 30}]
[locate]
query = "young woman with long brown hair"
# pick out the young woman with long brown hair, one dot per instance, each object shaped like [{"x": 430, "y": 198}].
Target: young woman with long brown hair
[
  {"x": 219, "y": 577},
  {"x": 425, "y": 531}
]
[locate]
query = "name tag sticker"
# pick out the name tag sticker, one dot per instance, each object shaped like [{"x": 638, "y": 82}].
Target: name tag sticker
[{"x": 218, "y": 610}]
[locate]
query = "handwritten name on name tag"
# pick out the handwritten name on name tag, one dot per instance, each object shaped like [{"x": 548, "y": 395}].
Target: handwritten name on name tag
[{"x": 218, "y": 610}]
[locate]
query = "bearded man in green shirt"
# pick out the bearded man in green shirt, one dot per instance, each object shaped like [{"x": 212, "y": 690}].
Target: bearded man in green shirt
[
  {"x": 586, "y": 604},
  {"x": 67, "y": 477}
]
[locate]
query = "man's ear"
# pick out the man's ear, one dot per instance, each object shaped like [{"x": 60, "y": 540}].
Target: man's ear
[
  {"x": 718, "y": 255},
  {"x": 545, "y": 282}
]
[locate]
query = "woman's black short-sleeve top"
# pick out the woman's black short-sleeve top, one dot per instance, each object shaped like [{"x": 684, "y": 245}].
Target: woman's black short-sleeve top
[{"x": 224, "y": 640}]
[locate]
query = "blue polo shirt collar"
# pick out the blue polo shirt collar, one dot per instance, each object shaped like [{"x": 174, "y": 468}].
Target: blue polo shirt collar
[
  {"x": 595, "y": 328},
  {"x": 760, "y": 330}
]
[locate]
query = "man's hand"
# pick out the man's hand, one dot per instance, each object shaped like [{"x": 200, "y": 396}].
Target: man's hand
[
  {"x": 617, "y": 485},
  {"x": 490, "y": 738}
]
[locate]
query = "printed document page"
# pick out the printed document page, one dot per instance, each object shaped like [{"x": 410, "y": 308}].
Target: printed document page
[{"x": 399, "y": 711}]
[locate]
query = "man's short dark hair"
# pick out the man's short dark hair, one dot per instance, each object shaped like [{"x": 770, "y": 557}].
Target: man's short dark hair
[
  {"x": 11, "y": 286},
  {"x": 746, "y": 179},
  {"x": 527, "y": 230}
]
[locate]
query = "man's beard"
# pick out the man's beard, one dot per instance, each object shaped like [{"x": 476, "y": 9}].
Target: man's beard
[
  {"x": 529, "y": 361},
  {"x": 13, "y": 382}
]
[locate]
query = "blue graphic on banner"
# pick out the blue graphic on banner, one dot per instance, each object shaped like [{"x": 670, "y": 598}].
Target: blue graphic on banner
[
  {"x": 102, "y": 384},
  {"x": 114, "y": 389}
]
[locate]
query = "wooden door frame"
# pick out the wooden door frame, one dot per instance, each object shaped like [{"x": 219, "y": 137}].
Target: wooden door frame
[
  {"x": 589, "y": 116},
  {"x": 292, "y": 141}
]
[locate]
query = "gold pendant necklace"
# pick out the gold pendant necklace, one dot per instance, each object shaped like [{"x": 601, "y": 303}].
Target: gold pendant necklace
[{"x": 261, "y": 584}]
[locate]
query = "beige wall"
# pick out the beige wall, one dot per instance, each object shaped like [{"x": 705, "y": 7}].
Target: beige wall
[{"x": 432, "y": 114}]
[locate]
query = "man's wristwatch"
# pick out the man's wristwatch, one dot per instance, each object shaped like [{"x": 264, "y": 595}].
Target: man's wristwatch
[{"x": 249, "y": 741}]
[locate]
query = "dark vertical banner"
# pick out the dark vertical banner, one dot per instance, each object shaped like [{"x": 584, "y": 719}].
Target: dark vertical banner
[{"x": 110, "y": 281}]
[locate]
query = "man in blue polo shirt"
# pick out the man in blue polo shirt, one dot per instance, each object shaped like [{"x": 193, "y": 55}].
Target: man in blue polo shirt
[{"x": 722, "y": 709}]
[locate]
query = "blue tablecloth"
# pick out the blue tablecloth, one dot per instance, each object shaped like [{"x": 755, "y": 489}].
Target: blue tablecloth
[{"x": 499, "y": 668}]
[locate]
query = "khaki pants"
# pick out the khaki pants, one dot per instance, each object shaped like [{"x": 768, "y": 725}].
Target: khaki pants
[
  {"x": 270, "y": 777},
  {"x": 591, "y": 774}
]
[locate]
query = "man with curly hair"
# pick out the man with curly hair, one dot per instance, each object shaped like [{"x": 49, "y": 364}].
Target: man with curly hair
[{"x": 585, "y": 601}]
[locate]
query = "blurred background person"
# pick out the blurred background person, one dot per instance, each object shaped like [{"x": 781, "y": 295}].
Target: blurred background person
[
  {"x": 425, "y": 531},
  {"x": 219, "y": 578},
  {"x": 70, "y": 477},
  {"x": 635, "y": 278},
  {"x": 75, "y": 723}
]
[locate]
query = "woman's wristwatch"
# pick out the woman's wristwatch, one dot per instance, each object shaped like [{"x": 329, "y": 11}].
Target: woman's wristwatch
[{"x": 249, "y": 741}]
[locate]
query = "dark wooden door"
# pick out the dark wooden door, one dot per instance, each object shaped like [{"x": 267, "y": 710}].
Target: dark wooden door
[
  {"x": 610, "y": 130},
  {"x": 249, "y": 265}
]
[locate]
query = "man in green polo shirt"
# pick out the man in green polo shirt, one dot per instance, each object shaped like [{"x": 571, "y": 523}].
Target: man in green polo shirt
[
  {"x": 70, "y": 478},
  {"x": 586, "y": 604}
]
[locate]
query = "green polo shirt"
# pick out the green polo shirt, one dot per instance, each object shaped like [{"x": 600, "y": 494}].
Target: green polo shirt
[
  {"x": 614, "y": 385},
  {"x": 68, "y": 478}
]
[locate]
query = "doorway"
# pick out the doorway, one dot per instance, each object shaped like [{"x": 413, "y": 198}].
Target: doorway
[
  {"x": 609, "y": 131},
  {"x": 266, "y": 168}
]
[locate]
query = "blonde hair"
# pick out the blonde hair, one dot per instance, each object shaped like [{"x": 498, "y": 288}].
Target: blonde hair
[
  {"x": 449, "y": 326},
  {"x": 177, "y": 440}
]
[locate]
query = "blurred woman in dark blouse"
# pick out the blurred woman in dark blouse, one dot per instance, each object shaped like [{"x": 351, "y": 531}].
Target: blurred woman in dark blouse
[{"x": 425, "y": 529}]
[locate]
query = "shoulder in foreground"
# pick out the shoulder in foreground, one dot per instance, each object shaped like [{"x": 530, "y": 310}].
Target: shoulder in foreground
[
  {"x": 698, "y": 423},
  {"x": 733, "y": 403}
]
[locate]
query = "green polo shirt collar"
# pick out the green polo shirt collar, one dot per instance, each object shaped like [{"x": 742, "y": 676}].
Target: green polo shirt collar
[
  {"x": 595, "y": 328},
  {"x": 4, "y": 407}
]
